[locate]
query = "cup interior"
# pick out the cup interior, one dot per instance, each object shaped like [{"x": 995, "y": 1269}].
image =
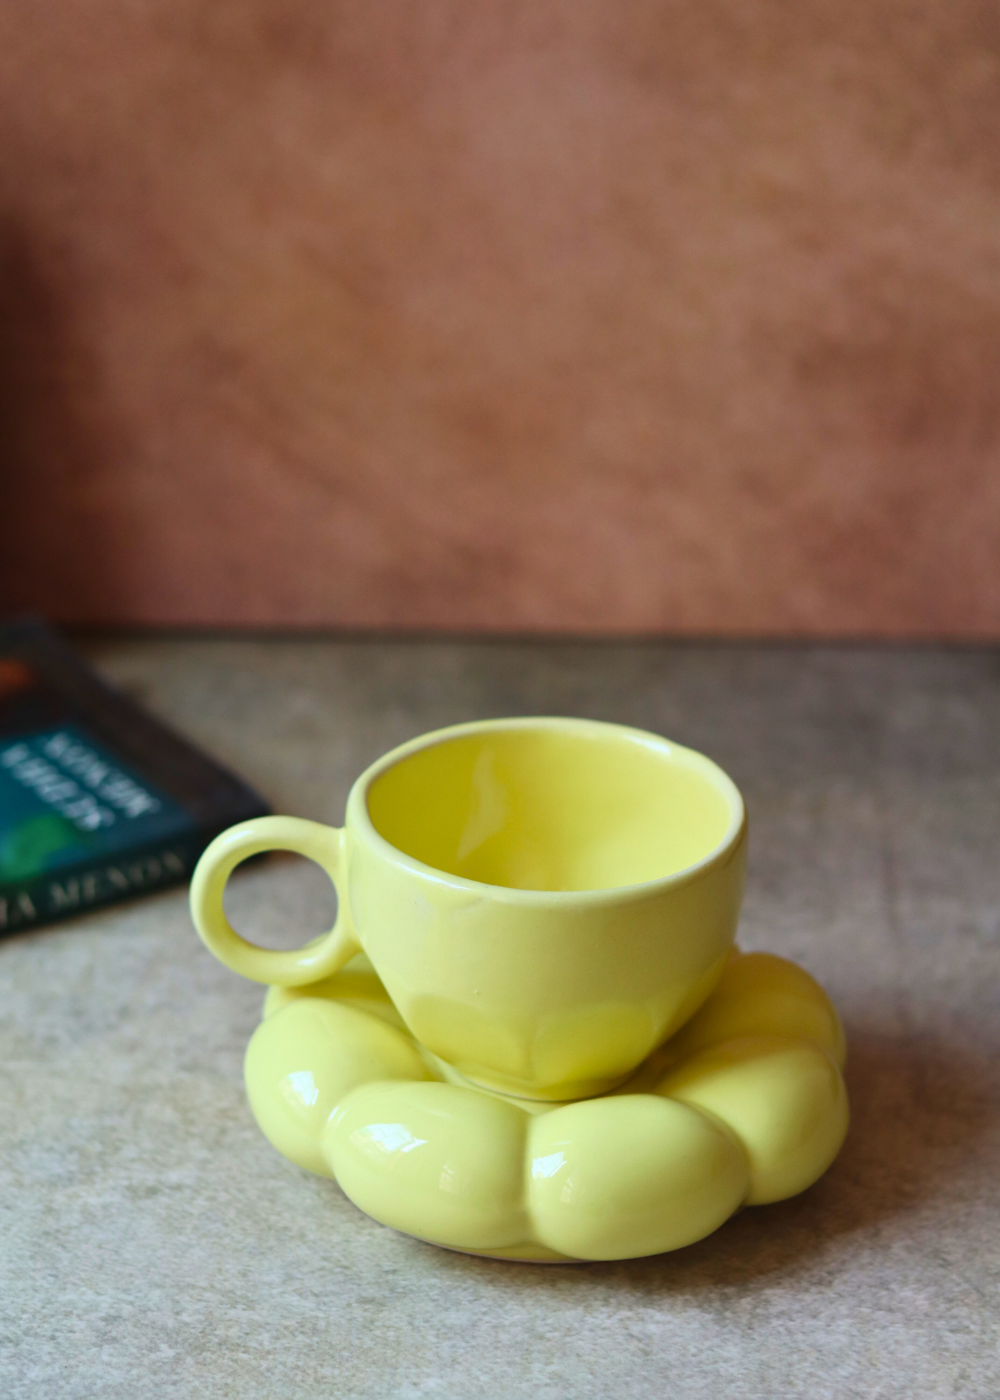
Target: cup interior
[{"x": 545, "y": 807}]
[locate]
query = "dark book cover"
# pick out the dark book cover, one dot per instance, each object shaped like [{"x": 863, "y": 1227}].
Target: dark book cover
[{"x": 98, "y": 800}]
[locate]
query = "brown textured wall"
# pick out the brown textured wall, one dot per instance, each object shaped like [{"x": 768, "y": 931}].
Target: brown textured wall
[{"x": 585, "y": 314}]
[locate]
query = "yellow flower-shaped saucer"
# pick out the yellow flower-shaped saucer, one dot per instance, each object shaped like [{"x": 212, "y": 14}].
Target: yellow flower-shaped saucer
[{"x": 744, "y": 1106}]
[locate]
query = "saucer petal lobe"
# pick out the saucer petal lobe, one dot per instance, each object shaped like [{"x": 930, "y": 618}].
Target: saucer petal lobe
[
  {"x": 622, "y": 1177},
  {"x": 784, "y": 1099},
  {"x": 438, "y": 1161},
  {"x": 302, "y": 1061}
]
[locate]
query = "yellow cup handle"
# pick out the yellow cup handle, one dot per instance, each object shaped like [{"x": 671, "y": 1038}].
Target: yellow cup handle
[{"x": 321, "y": 958}]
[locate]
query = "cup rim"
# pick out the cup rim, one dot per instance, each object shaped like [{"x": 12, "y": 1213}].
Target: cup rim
[{"x": 359, "y": 819}]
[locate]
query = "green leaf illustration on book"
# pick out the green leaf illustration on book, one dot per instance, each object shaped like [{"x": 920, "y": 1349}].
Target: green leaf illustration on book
[{"x": 25, "y": 850}]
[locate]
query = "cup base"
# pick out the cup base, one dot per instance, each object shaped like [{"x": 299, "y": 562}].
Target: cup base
[{"x": 530, "y": 1103}]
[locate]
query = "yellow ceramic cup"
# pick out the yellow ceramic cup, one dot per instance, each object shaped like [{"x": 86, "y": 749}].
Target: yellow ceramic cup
[{"x": 545, "y": 900}]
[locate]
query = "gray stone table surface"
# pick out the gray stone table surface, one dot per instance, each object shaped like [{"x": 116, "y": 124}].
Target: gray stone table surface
[{"x": 153, "y": 1244}]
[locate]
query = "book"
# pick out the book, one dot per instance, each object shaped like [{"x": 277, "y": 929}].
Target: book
[{"x": 99, "y": 801}]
